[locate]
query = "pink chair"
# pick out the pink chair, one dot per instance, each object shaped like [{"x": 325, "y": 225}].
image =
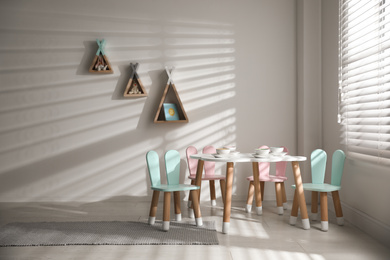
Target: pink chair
[
  {"x": 279, "y": 178},
  {"x": 209, "y": 173}
]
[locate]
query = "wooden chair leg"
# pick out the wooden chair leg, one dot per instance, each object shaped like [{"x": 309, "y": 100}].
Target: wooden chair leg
[
  {"x": 324, "y": 211},
  {"x": 153, "y": 207},
  {"x": 279, "y": 199},
  {"x": 195, "y": 200},
  {"x": 212, "y": 193},
  {"x": 249, "y": 199},
  {"x": 166, "y": 211},
  {"x": 294, "y": 209},
  {"x": 176, "y": 198},
  {"x": 314, "y": 205},
  {"x": 222, "y": 184},
  {"x": 284, "y": 197},
  {"x": 258, "y": 189},
  {"x": 337, "y": 207},
  {"x": 262, "y": 190},
  {"x": 189, "y": 195}
]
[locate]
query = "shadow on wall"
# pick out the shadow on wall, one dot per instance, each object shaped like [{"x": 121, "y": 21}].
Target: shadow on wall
[{"x": 66, "y": 134}]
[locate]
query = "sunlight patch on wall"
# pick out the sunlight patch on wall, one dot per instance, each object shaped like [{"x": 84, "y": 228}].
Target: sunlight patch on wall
[
  {"x": 186, "y": 30},
  {"x": 107, "y": 175},
  {"x": 53, "y": 109},
  {"x": 202, "y": 124},
  {"x": 37, "y": 79},
  {"x": 179, "y": 53},
  {"x": 191, "y": 63},
  {"x": 43, "y": 141},
  {"x": 181, "y": 75},
  {"x": 39, "y": 97},
  {"x": 204, "y": 83},
  {"x": 197, "y": 41}
]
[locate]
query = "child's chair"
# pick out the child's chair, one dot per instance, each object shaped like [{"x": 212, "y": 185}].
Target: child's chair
[
  {"x": 279, "y": 178},
  {"x": 318, "y": 165},
  {"x": 209, "y": 172},
  {"x": 172, "y": 166}
]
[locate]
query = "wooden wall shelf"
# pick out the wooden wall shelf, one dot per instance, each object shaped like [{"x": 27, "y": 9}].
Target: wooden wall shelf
[
  {"x": 134, "y": 87},
  {"x": 175, "y": 99},
  {"x": 101, "y": 64}
]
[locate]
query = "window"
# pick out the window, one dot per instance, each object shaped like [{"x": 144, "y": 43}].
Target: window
[{"x": 364, "y": 79}]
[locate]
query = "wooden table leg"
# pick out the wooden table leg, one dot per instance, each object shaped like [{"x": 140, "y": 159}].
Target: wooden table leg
[
  {"x": 198, "y": 179},
  {"x": 301, "y": 195},
  {"x": 195, "y": 193},
  {"x": 228, "y": 197},
  {"x": 189, "y": 195},
  {"x": 195, "y": 202},
  {"x": 256, "y": 183}
]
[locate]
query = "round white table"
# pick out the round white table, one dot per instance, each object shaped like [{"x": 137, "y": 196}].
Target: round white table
[{"x": 299, "y": 198}]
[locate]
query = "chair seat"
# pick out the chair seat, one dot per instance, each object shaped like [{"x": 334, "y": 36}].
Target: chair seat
[
  {"x": 270, "y": 178},
  {"x": 319, "y": 187},
  {"x": 208, "y": 178},
  {"x": 178, "y": 187}
]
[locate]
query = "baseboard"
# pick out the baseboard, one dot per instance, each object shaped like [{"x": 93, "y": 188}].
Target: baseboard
[{"x": 369, "y": 225}]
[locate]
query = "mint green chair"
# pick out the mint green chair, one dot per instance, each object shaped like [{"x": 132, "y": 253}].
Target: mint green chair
[
  {"x": 172, "y": 166},
  {"x": 318, "y": 162}
]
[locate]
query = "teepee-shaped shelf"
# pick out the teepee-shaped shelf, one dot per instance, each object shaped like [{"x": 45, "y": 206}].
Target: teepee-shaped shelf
[
  {"x": 101, "y": 64},
  {"x": 134, "y": 87},
  {"x": 172, "y": 112}
]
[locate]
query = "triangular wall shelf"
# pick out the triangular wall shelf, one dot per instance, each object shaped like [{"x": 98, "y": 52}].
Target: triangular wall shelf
[
  {"x": 160, "y": 116},
  {"x": 100, "y": 63},
  {"x": 134, "y": 87}
]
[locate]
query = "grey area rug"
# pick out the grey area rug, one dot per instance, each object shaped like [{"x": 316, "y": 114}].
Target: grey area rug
[{"x": 106, "y": 233}]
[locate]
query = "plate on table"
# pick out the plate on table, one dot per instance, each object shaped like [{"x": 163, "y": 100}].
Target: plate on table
[
  {"x": 279, "y": 154},
  {"x": 217, "y": 155},
  {"x": 260, "y": 156}
]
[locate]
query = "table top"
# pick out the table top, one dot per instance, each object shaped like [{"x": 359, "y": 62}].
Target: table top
[{"x": 248, "y": 157}]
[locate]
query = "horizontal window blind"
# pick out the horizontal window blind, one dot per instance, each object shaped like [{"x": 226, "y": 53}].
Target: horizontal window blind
[{"x": 364, "y": 78}]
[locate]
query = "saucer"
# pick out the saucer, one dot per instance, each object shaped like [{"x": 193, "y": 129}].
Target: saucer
[
  {"x": 260, "y": 156},
  {"x": 217, "y": 155}
]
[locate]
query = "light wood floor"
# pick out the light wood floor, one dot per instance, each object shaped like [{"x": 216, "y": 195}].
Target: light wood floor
[{"x": 251, "y": 237}]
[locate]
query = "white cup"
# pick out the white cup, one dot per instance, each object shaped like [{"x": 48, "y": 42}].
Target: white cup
[
  {"x": 277, "y": 150},
  {"x": 232, "y": 148},
  {"x": 262, "y": 151},
  {"x": 222, "y": 151}
]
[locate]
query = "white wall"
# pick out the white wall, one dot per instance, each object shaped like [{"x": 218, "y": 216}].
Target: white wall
[
  {"x": 309, "y": 80},
  {"x": 68, "y": 135},
  {"x": 365, "y": 193}
]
